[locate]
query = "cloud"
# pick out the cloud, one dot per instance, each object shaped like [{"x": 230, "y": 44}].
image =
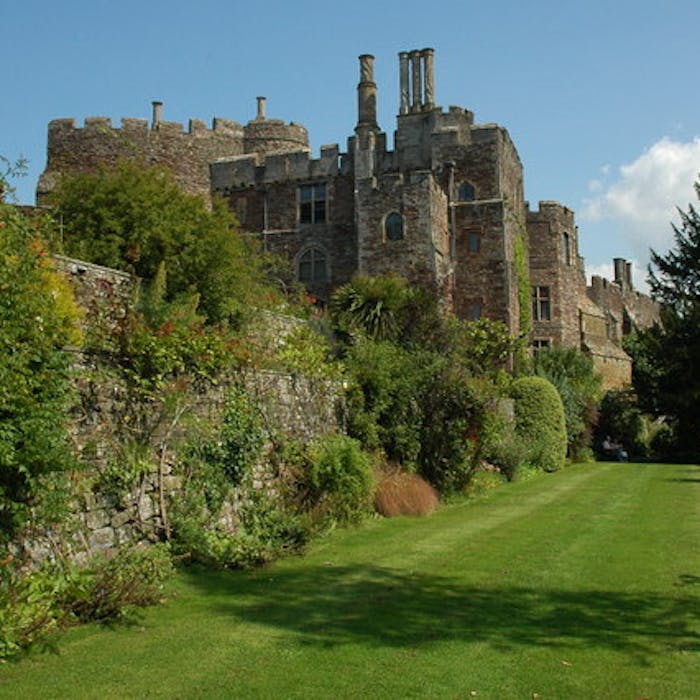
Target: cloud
[{"x": 644, "y": 197}]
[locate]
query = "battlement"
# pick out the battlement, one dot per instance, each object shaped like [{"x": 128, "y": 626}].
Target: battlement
[{"x": 132, "y": 126}]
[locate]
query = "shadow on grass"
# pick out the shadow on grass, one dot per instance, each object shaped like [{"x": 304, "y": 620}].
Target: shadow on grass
[{"x": 373, "y": 605}]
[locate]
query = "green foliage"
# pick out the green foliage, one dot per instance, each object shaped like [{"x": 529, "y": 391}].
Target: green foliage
[
  {"x": 572, "y": 373},
  {"x": 338, "y": 479},
  {"x": 540, "y": 421},
  {"x": 417, "y": 407},
  {"x": 451, "y": 415},
  {"x": 621, "y": 418},
  {"x": 241, "y": 438},
  {"x": 482, "y": 347},
  {"x": 370, "y": 306},
  {"x": 29, "y": 606},
  {"x": 306, "y": 351},
  {"x": 383, "y": 408},
  {"x": 214, "y": 463},
  {"x": 112, "y": 588},
  {"x": 36, "y": 604},
  {"x": 34, "y": 371},
  {"x": 137, "y": 218}
]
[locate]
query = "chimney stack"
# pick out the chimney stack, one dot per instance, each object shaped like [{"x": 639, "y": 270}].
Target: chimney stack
[
  {"x": 367, "y": 93},
  {"x": 261, "y": 108},
  {"x": 157, "y": 114}
]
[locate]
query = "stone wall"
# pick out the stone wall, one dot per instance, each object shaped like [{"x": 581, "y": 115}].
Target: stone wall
[{"x": 108, "y": 422}]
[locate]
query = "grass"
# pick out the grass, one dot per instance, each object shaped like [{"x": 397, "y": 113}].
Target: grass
[{"x": 579, "y": 584}]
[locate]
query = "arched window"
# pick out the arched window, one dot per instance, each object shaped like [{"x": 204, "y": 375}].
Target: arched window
[
  {"x": 312, "y": 266},
  {"x": 467, "y": 192},
  {"x": 393, "y": 227}
]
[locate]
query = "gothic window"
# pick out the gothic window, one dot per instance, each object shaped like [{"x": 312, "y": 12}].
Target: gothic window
[
  {"x": 313, "y": 205},
  {"x": 312, "y": 266},
  {"x": 474, "y": 241},
  {"x": 467, "y": 192},
  {"x": 393, "y": 227},
  {"x": 541, "y": 310},
  {"x": 566, "y": 242}
]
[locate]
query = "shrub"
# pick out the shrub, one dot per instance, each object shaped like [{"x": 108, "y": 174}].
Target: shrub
[
  {"x": 36, "y": 604},
  {"x": 110, "y": 588},
  {"x": 402, "y": 493},
  {"x": 539, "y": 420},
  {"x": 29, "y": 605},
  {"x": 338, "y": 479}
]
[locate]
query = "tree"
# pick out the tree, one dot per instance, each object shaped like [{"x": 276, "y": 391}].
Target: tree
[
  {"x": 665, "y": 370},
  {"x": 138, "y": 219},
  {"x": 36, "y": 322},
  {"x": 676, "y": 281}
]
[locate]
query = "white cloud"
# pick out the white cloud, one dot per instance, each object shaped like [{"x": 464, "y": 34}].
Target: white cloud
[{"x": 643, "y": 199}]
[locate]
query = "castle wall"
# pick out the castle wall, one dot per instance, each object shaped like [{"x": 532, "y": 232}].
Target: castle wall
[{"x": 73, "y": 150}]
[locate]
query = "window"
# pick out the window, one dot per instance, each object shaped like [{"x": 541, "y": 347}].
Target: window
[
  {"x": 393, "y": 227},
  {"x": 540, "y": 343},
  {"x": 312, "y": 267},
  {"x": 474, "y": 310},
  {"x": 474, "y": 242},
  {"x": 313, "y": 204},
  {"x": 541, "y": 304},
  {"x": 466, "y": 192},
  {"x": 566, "y": 242}
]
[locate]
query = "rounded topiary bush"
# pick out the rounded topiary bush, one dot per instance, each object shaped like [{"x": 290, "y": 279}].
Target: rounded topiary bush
[{"x": 540, "y": 422}]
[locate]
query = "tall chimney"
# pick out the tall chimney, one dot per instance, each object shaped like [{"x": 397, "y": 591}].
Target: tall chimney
[
  {"x": 628, "y": 275},
  {"x": 367, "y": 92},
  {"x": 428, "y": 78},
  {"x": 157, "y": 114},
  {"x": 403, "y": 79},
  {"x": 261, "y": 107},
  {"x": 415, "y": 65}
]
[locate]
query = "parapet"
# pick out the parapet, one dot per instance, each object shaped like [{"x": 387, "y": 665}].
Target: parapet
[{"x": 224, "y": 127}]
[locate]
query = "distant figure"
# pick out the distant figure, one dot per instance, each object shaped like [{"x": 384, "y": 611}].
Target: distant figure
[{"x": 614, "y": 449}]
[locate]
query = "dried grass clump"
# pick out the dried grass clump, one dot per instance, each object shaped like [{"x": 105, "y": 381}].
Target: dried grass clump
[{"x": 399, "y": 493}]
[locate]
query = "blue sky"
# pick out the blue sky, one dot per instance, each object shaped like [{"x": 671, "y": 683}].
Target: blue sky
[{"x": 601, "y": 98}]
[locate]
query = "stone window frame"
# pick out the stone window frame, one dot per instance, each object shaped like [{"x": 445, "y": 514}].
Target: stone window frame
[
  {"x": 313, "y": 209},
  {"x": 541, "y": 303},
  {"x": 466, "y": 192},
  {"x": 541, "y": 344},
  {"x": 387, "y": 227},
  {"x": 318, "y": 256}
]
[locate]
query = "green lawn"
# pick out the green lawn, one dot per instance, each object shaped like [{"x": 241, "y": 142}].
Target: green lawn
[{"x": 581, "y": 584}]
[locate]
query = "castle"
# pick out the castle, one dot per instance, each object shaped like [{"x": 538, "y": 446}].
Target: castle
[{"x": 445, "y": 208}]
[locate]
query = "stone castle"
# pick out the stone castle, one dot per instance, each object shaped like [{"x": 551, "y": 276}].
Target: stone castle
[{"x": 445, "y": 208}]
